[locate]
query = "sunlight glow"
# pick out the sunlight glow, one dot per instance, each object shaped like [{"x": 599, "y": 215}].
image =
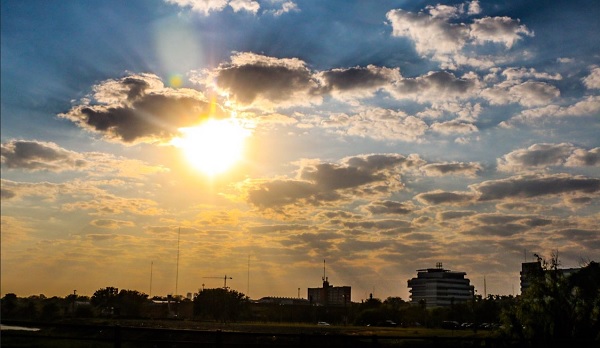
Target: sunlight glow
[{"x": 214, "y": 145}]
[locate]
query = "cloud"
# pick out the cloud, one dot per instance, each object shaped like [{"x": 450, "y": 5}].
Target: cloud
[
  {"x": 202, "y": 6},
  {"x": 139, "y": 108},
  {"x": 435, "y": 86},
  {"x": 322, "y": 183},
  {"x": 253, "y": 79},
  {"x": 528, "y": 93},
  {"x": 433, "y": 36},
  {"x": 583, "y": 157},
  {"x": 454, "y": 214},
  {"x": 542, "y": 156},
  {"x": 474, "y": 8},
  {"x": 439, "y": 197},
  {"x": 379, "y": 124},
  {"x": 389, "y": 207},
  {"x": 438, "y": 34},
  {"x": 450, "y": 168},
  {"x": 454, "y": 127},
  {"x": 587, "y": 106},
  {"x": 244, "y": 5},
  {"x": 592, "y": 81},
  {"x": 207, "y": 6},
  {"x": 532, "y": 73},
  {"x": 531, "y": 186},
  {"x": 286, "y": 7},
  {"x": 502, "y": 30},
  {"x": 38, "y": 155},
  {"x": 535, "y": 157},
  {"x": 32, "y": 155},
  {"x": 111, "y": 223},
  {"x": 357, "y": 82}
]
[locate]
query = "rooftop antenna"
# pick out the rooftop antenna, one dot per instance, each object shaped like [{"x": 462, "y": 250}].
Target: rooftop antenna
[
  {"x": 177, "y": 271},
  {"x": 438, "y": 265},
  {"x": 324, "y": 270}
]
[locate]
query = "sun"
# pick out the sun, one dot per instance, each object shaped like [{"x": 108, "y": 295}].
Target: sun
[{"x": 213, "y": 146}]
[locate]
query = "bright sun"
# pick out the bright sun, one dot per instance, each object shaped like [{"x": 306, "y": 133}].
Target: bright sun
[{"x": 214, "y": 145}]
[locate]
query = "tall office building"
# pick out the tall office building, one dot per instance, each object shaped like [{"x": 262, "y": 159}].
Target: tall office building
[
  {"x": 439, "y": 287},
  {"x": 330, "y": 295}
]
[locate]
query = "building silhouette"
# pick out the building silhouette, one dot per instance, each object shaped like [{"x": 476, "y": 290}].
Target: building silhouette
[
  {"x": 439, "y": 287},
  {"x": 532, "y": 270},
  {"x": 330, "y": 295}
]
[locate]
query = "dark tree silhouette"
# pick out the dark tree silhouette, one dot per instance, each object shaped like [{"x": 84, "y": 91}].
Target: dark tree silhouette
[
  {"x": 221, "y": 304},
  {"x": 556, "y": 306}
]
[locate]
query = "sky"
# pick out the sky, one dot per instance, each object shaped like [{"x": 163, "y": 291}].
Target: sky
[{"x": 161, "y": 145}]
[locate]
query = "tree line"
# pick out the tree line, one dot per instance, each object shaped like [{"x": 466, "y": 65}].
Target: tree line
[{"x": 554, "y": 306}]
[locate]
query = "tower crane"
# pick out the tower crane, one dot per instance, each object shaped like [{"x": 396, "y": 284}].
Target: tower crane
[{"x": 224, "y": 280}]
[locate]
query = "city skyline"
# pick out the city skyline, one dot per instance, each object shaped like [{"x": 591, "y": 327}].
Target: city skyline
[{"x": 255, "y": 138}]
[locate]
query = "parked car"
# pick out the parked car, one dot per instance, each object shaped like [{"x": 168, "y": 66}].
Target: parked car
[{"x": 322, "y": 323}]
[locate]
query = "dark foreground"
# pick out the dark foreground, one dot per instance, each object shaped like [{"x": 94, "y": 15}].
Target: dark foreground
[{"x": 136, "y": 334}]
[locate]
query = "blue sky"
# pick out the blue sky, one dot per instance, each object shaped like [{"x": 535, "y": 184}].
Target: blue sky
[{"x": 381, "y": 136}]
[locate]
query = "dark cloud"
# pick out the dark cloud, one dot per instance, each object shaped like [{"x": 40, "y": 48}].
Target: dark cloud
[
  {"x": 379, "y": 224},
  {"x": 438, "y": 169},
  {"x": 435, "y": 85},
  {"x": 360, "y": 79},
  {"x": 500, "y": 219},
  {"x": 251, "y": 78},
  {"x": 445, "y": 197},
  {"x": 529, "y": 186},
  {"x": 139, "y": 108},
  {"x": 583, "y": 157},
  {"x": 389, "y": 207},
  {"x": 454, "y": 127},
  {"x": 6, "y": 193},
  {"x": 38, "y": 155},
  {"x": 321, "y": 183},
  {"x": 500, "y": 230},
  {"x": 266, "y": 229},
  {"x": 454, "y": 214}
]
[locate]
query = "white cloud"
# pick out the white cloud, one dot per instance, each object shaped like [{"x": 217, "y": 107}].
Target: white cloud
[
  {"x": 445, "y": 41},
  {"x": 502, "y": 30},
  {"x": 587, "y": 106},
  {"x": 244, "y": 5},
  {"x": 474, "y": 8},
  {"x": 201, "y": 6},
  {"x": 592, "y": 81},
  {"x": 528, "y": 93},
  {"x": 379, "y": 124}
]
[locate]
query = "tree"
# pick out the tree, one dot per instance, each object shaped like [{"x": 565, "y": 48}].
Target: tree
[
  {"x": 221, "y": 304},
  {"x": 9, "y": 305},
  {"x": 105, "y": 299},
  {"x": 131, "y": 302},
  {"x": 556, "y": 306}
]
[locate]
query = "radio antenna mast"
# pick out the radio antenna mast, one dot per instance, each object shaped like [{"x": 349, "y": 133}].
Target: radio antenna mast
[
  {"x": 151, "y": 266},
  {"x": 177, "y": 271}
]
